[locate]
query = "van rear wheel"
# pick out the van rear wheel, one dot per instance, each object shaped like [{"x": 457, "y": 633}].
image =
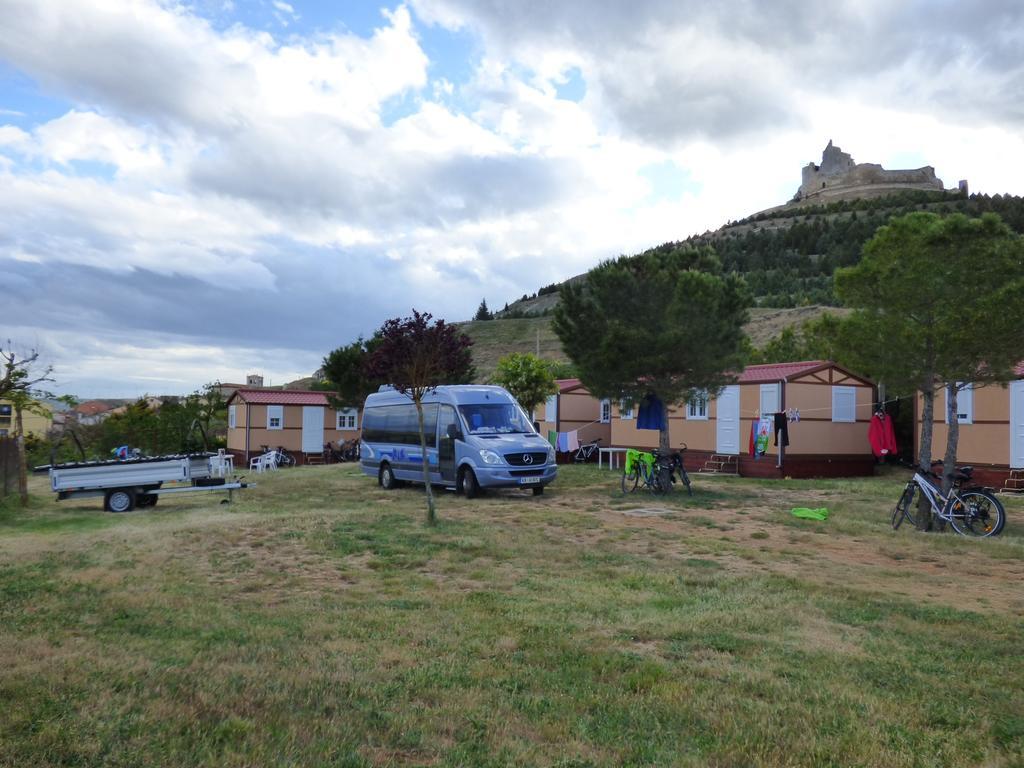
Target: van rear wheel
[
  {"x": 468, "y": 483},
  {"x": 387, "y": 478},
  {"x": 538, "y": 490}
]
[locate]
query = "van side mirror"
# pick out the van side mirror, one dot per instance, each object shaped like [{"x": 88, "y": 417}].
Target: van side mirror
[{"x": 453, "y": 432}]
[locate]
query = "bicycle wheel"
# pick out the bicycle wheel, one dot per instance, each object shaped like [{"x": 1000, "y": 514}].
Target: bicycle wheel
[
  {"x": 978, "y": 513},
  {"x": 905, "y": 508},
  {"x": 630, "y": 479},
  {"x": 686, "y": 479}
]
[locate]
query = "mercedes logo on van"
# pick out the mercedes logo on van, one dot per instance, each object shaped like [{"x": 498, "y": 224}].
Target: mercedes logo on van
[{"x": 527, "y": 458}]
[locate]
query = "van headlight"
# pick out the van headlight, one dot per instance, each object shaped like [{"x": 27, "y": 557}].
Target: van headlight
[
  {"x": 489, "y": 457},
  {"x": 551, "y": 454}
]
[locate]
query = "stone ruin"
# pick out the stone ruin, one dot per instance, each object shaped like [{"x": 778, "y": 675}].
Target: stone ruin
[{"x": 839, "y": 178}]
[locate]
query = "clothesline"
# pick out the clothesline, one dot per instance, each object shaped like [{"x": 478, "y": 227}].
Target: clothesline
[{"x": 757, "y": 413}]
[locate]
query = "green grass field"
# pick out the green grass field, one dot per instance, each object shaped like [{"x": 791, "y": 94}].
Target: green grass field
[{"x": 318, "y": 621}]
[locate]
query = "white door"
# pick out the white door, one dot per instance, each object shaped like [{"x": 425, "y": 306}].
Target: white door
[
  {"x": 312, "y": 429},
  {"x": 728, "y": 421},
  {"x": 1017, "y": 425}
]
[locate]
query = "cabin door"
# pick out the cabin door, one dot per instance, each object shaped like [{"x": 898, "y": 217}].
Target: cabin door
[
  {"x": 1017, "y": 425},
  {"x": 312, "y": 429},
  {"x": 728, "y": 421}
]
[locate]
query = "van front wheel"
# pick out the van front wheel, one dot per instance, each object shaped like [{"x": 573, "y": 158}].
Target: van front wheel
[{"x": 470, "y": 487}]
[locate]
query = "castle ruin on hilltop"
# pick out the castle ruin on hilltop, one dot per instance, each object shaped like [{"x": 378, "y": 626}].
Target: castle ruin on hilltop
[{"x": 839, "y": 178}]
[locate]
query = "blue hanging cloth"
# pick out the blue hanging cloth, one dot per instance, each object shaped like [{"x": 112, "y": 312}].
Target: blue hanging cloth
[{"x": 651, "y": 413}]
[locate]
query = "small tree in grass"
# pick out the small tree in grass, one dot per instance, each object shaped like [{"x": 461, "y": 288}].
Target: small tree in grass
[
  {"x": 939, "y": 301},
  {"x": 416, "y": 357},
  {"x": 529, "y": 379},
  {"x": 21, "y": 377},
  {"x": 667, "y": 322}
]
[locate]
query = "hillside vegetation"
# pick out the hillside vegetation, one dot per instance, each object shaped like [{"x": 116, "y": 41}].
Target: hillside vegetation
[
  {"x": 788, "y": 254},
  {"x": 493, "y": 339}
]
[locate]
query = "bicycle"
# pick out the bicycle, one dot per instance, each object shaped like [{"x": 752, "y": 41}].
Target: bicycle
[
  {"x": 586, "y": 451},
  {"x": 284, "y": 458},
  {"x": 647, "y": 468},
  {"x": 971, "y": 511}
]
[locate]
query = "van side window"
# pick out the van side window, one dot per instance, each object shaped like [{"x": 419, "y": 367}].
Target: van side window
[{"x": 400, "y": 424}]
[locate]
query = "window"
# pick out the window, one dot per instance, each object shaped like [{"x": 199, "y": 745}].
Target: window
[
  {"x": 964, "y": 404},
  {"x": 770, "y": 401},
  {"x": 275, "y": 417},
  {"x": 551, "y": 409},
  {"x": 400, "y": 424},
  {"x": 348, "y": 418},
  {"x": 3, "y": 433},
  {"x": 232, "y": 416},
  {"x": 625, "y": 409},
  {"x": 5, "y": 410},
  {"x": 697, "y": 408},
  {"x": 844, "y": 404},
  {"x": 606, "y": 411}
]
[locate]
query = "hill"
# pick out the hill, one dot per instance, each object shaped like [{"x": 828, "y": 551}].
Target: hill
[
  {"x": 788, "y": 254},
  {"x": 493, "y": 339}
]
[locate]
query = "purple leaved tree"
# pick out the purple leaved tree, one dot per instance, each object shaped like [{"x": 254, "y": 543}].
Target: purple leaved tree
[{"x": 416, "y": 357}]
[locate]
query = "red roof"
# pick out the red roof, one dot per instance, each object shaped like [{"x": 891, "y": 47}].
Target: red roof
[
  {"x": 567, "y": 385},
  {"x": 92, "y": 407},
  {"x": 753, "y": 374},
  {"x": 281, "y": 397}
]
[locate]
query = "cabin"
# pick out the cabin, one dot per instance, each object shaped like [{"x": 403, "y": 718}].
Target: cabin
[
  {"x": 573, "y": 407},
  {"x": 991, "y": 420},
  {"x": 830, "y": 439},
  {"x": 299, "y": 421}
]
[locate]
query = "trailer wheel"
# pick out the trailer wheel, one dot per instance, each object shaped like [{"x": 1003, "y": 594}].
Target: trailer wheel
[{"x": 120, "y": 500}]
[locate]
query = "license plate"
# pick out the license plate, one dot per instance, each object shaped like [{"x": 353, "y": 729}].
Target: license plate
[{"x": 528, "y": 480}]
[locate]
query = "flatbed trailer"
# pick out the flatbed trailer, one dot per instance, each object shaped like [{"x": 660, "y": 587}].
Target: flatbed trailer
[{"x": 124, "y": 484}]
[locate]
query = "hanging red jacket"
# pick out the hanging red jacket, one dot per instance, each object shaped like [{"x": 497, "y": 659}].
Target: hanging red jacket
[{"x": 882, "y": 436}]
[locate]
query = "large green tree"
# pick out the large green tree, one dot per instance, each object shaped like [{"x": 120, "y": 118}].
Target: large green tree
[
  {"x": 938, "y": 301},
  {"x": 668, "y": 323},
  {"x": 416, "y": 356},
  {"x": 21, "y": 377},
  {"x": 529, "y": 379},
  {"x": 347, "y": 377}
]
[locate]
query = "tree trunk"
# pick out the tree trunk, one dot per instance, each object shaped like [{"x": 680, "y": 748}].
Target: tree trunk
[
  {"x": 431, "y": 512},
  {"x": 664, "y": 468},
  {"x": 22, "y": 463},
  {"x": 924, "y": 455}
]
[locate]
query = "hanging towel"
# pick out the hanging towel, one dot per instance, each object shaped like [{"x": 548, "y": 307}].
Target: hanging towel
[
  {"x": 553, "y": 438},
  {"x": 651, "y": 414},
  {"x": 764, "y": 431},
  {"x": 781, "y": 426},
  {"x": 881, "y": 436},
  {"x": 574, "y": 440},
  {"x": 563, "y": 442}
]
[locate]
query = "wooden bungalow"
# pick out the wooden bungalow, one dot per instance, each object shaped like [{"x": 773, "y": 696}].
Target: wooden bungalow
[
  {"x": 991, "y": 438},
  {"x": 299, "y": 421},
  {"x": 829, "y": 440},
  {"x": 574, "y": 408}
]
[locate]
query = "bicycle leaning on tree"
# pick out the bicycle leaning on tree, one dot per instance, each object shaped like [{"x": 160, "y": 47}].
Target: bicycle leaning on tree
[
  {"x": 648, "y": 469},
  {"x": 972, "y": 511}
]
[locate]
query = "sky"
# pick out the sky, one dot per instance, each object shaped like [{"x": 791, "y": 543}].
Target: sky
[{"x": 194, "y": 191}]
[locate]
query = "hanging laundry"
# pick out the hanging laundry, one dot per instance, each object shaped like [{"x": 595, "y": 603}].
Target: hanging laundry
[
  {"x": 574, "y": 440},
  {"x": 882, "y": 436},
  {"x": 563, "y": 442},
  {"x": 553, "y": 438},
  {"x": 651, "y": 414},
  {"x": 764, "y": 431},
  {"x": 781, "y": 426}
]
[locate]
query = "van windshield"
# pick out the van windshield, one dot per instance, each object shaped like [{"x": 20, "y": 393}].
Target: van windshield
[{"x": 495, "y": 418}]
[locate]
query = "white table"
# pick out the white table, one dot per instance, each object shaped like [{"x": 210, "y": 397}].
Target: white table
[{"x": 611, "y": 456}]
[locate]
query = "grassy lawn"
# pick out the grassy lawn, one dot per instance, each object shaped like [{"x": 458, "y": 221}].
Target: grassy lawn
[{"x": 317, "y": 621}]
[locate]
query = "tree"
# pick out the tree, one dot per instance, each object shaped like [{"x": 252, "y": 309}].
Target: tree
[
  {"x": 482, "y": 313},
  {"x": 529, "y": 379},
  {"x": 666, "y": 323},
  {"x": 347, "y": 374},
  {"x": 19, "y": 384},
  {"x": 416, "y": 357},
  {"x": 938, "y": 301}
]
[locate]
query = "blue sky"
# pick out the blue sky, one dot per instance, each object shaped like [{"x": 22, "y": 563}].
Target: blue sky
[{"x": 191, "y": 191}]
